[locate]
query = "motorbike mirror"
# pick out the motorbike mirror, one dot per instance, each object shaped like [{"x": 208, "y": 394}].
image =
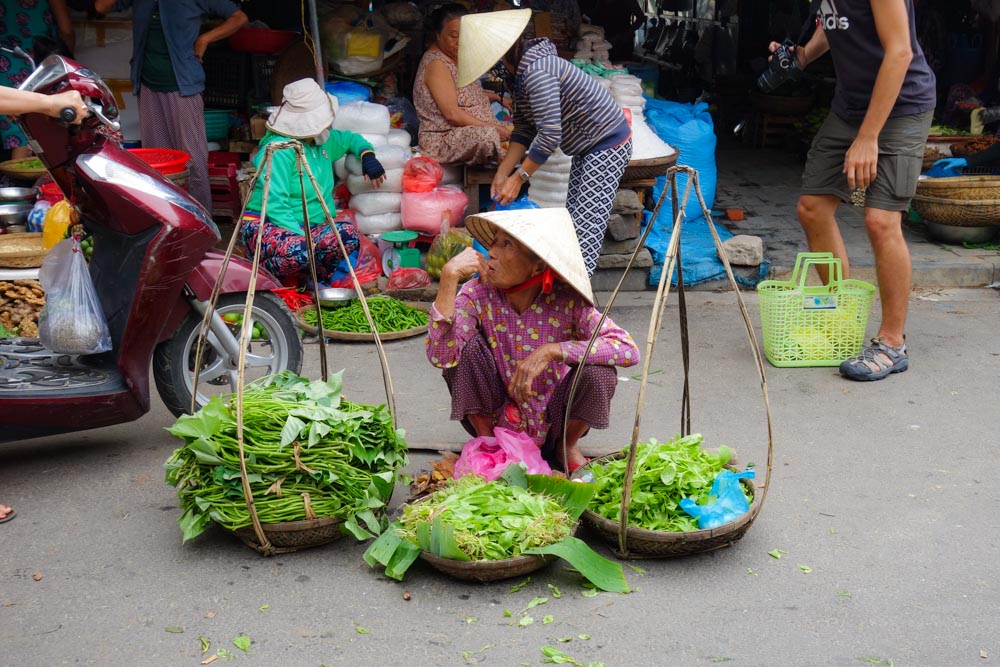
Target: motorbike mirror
[{"x": 20, "y": 53}]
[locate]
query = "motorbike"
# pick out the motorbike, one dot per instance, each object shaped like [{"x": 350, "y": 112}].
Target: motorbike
[{"x": 153, "y": 267}]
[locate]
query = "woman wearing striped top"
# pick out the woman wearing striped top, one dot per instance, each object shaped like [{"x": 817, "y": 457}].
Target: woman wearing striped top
[{"x": 556, "y": 105}]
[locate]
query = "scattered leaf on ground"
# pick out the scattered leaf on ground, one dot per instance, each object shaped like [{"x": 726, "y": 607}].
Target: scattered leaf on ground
[
  {"x": 507, "y": 613},
  {"x": 875, "y": 660},
  {"x": 750, "y": 571},
  {"x": 174, "y": 629},
  {"x": 590, "y": 592},
  {"x": 525, "y": 621},
  {"x": 843, "y": 594},
  {"x": 547, "y": 619},
  {"x": 805, "y": 568},
  {"x": 469, "y": 656},
  {"x": 209, "y": 614},
  {"x": 37, "y": 576},
  {"x": 263, "y": 608},
  {"x": 554, "y": 656},
  {"x": 563, "y": 640},
  {"x": 636, "y": 568},
  {"x": 516, "y": 587},
  {"x": 205, "y": 644},
  {"x": 776, "y": 553},
  {"x": 556, "y": 593},
  {"x": 361, "y": 631},
  {"x": 722, "y": 659},
  {"x": 534, "y": 603},
  {"x": 583, "y": 637},
  {"x": 242, "y": 642},
  {"x": 469, "y": 620},
  {"x": 225, "y": 654}
]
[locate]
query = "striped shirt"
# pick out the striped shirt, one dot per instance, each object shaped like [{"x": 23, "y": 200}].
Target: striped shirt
[{"x": 557, "y": 105}]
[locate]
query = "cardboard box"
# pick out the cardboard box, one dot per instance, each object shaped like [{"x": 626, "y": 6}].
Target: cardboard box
[{"x": 257, "y": 128}]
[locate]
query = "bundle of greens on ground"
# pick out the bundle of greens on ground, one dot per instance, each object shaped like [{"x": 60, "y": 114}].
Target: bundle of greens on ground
[
  {"x": 389, "y": 315},
  {"x": 665, "y": 473},
  {"x": 305, "y": 445},
  {"x": 471, "y": 519}
]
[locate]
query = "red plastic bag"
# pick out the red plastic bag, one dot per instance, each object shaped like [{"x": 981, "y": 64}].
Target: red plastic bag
[
  {"x": 489, "y": 457},
  {"x": 421, "y": 174},
  {"x": 408, "y": 278},
  {"x": 368, "y": 266}
]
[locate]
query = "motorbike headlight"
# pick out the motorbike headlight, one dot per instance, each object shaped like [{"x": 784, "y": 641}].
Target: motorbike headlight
[{"x": 101, "y": 168}]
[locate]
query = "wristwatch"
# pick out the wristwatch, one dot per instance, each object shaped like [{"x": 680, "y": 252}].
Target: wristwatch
[{"x": 525, "y": 176}]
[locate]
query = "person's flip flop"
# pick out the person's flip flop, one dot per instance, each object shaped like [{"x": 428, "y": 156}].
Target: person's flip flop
[{"x": 10, "y": 515}]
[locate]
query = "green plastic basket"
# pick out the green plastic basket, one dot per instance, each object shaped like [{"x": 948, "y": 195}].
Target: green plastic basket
[
  {"x": 216, "y": 124},
  {"x": 822, "y": 325}
]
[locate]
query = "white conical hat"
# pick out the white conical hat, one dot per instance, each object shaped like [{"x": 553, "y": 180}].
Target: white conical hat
[
  {"x": 547, "y": 232},
  {"x": 484, "y": 38}
]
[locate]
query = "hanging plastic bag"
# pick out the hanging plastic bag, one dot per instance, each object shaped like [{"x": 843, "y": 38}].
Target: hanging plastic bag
[
  {"x": 422, "y": 211},
  {"x": 58, "y": 219},
  {"x": 71, "y": 322},
  {"x": 421, "y": 174},
  {"x": 730, "y": 501},
  {"x": 488, "y": 456},
  {"x": 448, "y": 243}
]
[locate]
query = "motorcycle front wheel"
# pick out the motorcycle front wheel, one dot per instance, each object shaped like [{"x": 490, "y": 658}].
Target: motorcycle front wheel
[{"x": 275, "y": 347}]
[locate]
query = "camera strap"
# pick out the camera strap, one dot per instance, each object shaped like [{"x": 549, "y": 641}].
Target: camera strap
[{"x": 809, "y": 22}]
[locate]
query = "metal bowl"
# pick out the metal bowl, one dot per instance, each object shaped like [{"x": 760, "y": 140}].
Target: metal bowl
[
  {"x": 336, "y": 296},
  {"x": 14, "y": 213},
  {"x": 11, "y": 194},
  {"x": 960, "y": 234}
]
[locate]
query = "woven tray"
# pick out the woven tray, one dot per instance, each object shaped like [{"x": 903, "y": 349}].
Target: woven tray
[
  {"x": 26, "y": 169},
  {"x": 21, "y": 251},
  {"x": 960, "y": 187},
  {"x": 958, "y": 212},
  {"x": 294, "y": 535},
  {"x": 658, "y": 544},
  {"x": 367, "y": 337},
  {"x": 638, "y": 170},
  {"x": 487, "y": 570}
]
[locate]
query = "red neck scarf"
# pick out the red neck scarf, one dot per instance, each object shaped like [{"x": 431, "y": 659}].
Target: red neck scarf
[{"x": 546, "y": 278}]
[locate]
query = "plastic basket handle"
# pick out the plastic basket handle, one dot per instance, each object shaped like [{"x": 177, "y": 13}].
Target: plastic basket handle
[{"x": 804, "y": 260}]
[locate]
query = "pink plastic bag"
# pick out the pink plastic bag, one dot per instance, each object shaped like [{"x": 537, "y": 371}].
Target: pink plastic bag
[
  {"x": 423, "y": 211},
  {"x": 421, "y": 174},
  {"x": 489, "y": 457}
]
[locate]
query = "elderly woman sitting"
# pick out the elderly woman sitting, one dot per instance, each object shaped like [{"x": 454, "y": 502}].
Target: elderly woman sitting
[
  {"x": 513, "y": 339},
  {"x": 456, "y": 124},
  {"x": 306, "y": 114}
]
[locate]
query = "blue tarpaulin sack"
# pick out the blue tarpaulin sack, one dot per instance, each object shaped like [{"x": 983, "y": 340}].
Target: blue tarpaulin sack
[
  {"x": 689, "y": 129},
  {"x": 730, "y": 502}
]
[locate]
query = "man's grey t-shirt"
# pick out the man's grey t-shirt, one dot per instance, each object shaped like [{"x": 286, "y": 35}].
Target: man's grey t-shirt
[{"x": 857, "y": 55}]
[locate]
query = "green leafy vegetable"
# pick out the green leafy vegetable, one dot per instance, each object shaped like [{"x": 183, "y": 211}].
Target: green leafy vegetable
[
  {"x": 665, "y": 474},
  {"x": 556, "y": 593},
  {"x": 775, "y": 553},
  {"x": 805, "y": 568},
  {"x": 548, "y": 618},
  {"x": 302, "y": 439},
  {"x": 242, "y": 642},
  {"x": 518, "y": 586},
  {"x": 361, "y": 631}
]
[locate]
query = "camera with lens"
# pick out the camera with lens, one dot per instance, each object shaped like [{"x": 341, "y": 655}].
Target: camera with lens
[{"x": 781, "y": 68}]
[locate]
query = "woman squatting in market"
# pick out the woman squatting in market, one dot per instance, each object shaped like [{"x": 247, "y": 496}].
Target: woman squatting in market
[
  {"x": 512, "y": 339},
  {"x": 306, "y": 114},
  {"x": 556, "y": 105}
]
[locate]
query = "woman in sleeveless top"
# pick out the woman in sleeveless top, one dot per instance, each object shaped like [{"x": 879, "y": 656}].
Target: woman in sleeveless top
[{"x": 456, "y": 124}]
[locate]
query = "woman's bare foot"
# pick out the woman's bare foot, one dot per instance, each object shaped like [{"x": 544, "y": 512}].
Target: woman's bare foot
[{"x": 6, "y": 513}]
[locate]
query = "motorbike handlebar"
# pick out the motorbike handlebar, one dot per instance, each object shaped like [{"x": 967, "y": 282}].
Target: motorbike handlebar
[{"x": 67, "y": 114}]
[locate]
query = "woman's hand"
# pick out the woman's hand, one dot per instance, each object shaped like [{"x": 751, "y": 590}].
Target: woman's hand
[
  {"x": 530, "y": 368},
  {"x": 372, "y": 169},
  {"x": 464, "y": 265},
  {"x": 509, "y": 189},
  {"x": 504, "y": 131},
  {"x": 498, "y": 181}
]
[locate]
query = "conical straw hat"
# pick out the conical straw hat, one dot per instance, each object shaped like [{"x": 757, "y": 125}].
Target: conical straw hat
[
  {"x": 484, "y": 38},
  {"x": 547, "y": 232}
]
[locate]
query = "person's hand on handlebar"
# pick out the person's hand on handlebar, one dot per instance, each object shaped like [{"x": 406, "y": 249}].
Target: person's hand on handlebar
[{"x": 70, "y": 99}]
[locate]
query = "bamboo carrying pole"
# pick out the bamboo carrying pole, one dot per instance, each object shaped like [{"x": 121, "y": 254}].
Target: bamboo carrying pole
[
  {"x": 264, "y": 545},
  {"x": 672, "y": 260}
]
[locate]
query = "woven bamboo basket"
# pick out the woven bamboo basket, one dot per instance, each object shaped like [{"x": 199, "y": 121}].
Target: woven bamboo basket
[
  {"x": 22, "y": 251},
  {"x": 294, "y": 535},
  {"x": 971, "y": 188},
  {"x": 958, "y": 212},
  {"x": 487, "y": 570},
  {"x": 634, "y": 542},
  {"x": 180, "y": 179},
  {"x": 638, "y": 170},
  {"x": 658, "y": 544}
]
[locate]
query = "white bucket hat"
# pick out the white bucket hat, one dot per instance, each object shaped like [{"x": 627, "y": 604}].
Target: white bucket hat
[
  {"x": 484, "y": 38},
  {"x": 547, "y": 232},
  {"x": 306, "y": 110}
]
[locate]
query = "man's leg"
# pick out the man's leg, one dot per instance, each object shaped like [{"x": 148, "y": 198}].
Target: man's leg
[
  {"x": 892, "y": 266},
  {"x": 817, "y": 215}
]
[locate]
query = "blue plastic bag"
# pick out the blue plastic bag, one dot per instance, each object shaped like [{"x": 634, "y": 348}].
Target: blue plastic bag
[
  {"x": 689, "y": 129},
  {"x": 730, "y": 503},
  {"x": 349, "y": 91}
]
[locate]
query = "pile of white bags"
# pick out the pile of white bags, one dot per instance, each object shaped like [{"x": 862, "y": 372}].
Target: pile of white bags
[
  {"x": 626, "y": 89},
  {"x": 591, "y": 45},
  {"x": 550, "y": 182}
]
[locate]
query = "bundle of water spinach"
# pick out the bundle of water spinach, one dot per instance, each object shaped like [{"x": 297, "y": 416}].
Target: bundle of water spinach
[
  {"x": 305, "y": 445},
  {"x": 665, "y": 473},
  {"x": 471, "y": 519}
]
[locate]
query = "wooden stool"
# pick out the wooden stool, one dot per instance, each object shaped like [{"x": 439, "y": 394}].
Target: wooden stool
[
  {"x": 473, "y": 177},
  {"x": 771, "y": 128}
]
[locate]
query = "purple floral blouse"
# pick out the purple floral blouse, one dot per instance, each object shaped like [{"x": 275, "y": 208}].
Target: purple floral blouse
[{"x": 561, "y": 317}]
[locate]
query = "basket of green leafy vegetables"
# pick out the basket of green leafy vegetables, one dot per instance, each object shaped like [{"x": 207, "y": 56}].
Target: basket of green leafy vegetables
[
  {"x": 476, "y": 530},
  {"x": 665, "y": 473},
  {"x": 316, "y": 464}
]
